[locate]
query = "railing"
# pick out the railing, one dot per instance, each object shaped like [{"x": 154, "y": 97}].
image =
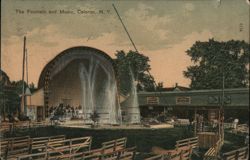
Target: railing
[
  {"x": 69, "y": 146},
  {"x": 187, "y": 142},
  {"x": 97, "y": 154},
  {"x": 35, "y": 156},
  {"x": 54, "y": 145},
  {"x": 183, "y": 153},
  {"x": 114, "y": 145},
  {"x": 24, "y": 125},
  {"x": 238, "y": 154},
  {"x": 40, "y": 142},
  {"x": 183, "y": 150},
  {"x": 156, "y": 157},
  {"x": 72, "y": 149},
  {"x": 213, "y": 152},
  {"x": 15, "y": 146},
  {"x": 6, "y": 126}
]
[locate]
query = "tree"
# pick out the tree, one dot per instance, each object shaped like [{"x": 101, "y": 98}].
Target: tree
[
  {"x": 9, "y": 98},
  {"x": 213, "y": 60},
  {"x": 32, "y": 87},
  {"x": 11, "y": 92},
  {"x": 133, "y": 65}
]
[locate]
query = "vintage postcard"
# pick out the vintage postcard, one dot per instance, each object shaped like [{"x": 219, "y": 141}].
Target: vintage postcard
[{"x": 124, "y": 79}]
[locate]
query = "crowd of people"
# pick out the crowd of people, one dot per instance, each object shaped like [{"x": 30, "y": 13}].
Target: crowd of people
[{"x": 67, "y": 111}]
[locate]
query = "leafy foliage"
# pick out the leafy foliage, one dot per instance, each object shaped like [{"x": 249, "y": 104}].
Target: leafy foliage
[
  {"x": 10, "y": 99},
  {"x": 136, "y": 64},
  {"x": 213, "y": 60}
]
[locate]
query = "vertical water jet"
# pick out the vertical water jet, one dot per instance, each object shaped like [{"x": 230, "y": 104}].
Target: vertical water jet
[
  {"x": 92, "y": 100},
  {"x": 133, "y": 109}
]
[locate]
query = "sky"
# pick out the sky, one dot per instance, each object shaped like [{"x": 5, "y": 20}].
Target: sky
[{"x": 161, "y": 29}]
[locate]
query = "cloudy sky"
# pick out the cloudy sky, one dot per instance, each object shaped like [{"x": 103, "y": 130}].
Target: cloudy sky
[{"x": 161, "y": 29}]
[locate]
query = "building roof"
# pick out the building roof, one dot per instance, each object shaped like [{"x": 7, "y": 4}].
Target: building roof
[
  {"x": 234, "y": 98},
  {"x": 65, "y": 57}
]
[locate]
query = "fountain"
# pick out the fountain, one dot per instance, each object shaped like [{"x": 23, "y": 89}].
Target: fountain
[
  {"x": 83, "y": 77},
  {"x": 103, "y": 101},
  {"x": 133, "y": 110}
]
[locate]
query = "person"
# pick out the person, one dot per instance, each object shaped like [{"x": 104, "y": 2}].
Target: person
[
  {"x": 73, "y": 112},
  {"x": 77, "y": 111},
  {"x": 235, "y": 123},
  {"x": 214, "y": 123},
  {"x": 200, "y": 122},
  {"x": 172, "y": 121}
]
